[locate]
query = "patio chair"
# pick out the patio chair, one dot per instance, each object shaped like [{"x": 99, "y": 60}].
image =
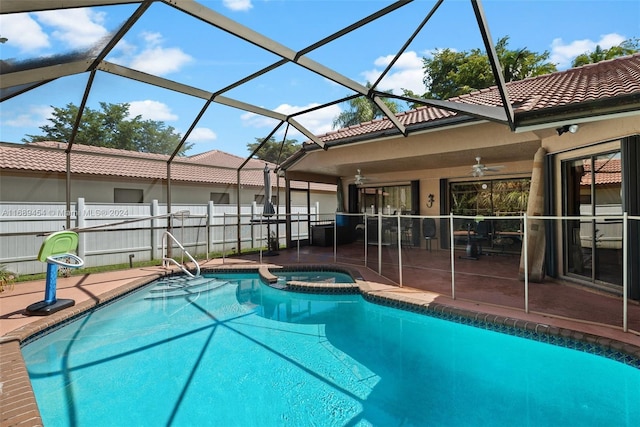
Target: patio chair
[
  {"x": 429, "y": 231},
  {"x": 483, "y": 233}
]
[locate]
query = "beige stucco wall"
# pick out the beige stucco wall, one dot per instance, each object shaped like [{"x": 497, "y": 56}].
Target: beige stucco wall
[{"x": 449, "y": 153}]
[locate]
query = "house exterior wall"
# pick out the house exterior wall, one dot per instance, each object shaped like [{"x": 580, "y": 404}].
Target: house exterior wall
[{"x": 51, "y": 187}]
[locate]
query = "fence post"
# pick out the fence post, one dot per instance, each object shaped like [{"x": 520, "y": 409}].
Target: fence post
[
  {"x": 366, "y": 239},
  {"x": 625, "y": 275},
  {"x": 525, "y": 244},
  {"x": 335, "y": 237},
  {"x": 154, "y": 226},
  {"x": 399, "y": 235},
  {"x": 254, "y": 209},
  {"x": 80, "y": 223},
  {"x": 380, "y": 242},
  {"x": 209, "y": 222},
  {"x": 452, "y": 242}
]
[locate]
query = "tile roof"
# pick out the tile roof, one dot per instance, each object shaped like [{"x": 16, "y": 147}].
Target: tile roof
[
  {"x": 608, "y": 171},
  {"x": 213, "y": 167},
  {"x": 604, "y": 80}
]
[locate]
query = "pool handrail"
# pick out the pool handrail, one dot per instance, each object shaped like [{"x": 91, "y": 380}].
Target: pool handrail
[{"x": 166, "y": 259}]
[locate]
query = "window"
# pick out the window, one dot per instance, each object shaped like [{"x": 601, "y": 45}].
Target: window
[
  {"x": 491, "y": 197},
  {"x": 504, "y": 198},
  {"x": 388, "y": 200},
  {"x": 127, "y": 195},
  {"x": 219, "y": 198}
]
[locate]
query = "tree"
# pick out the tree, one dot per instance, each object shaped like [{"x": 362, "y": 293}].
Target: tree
[
  {"x": 627, "y": 47},
  {"x": 449, "y": 73},
  {"x": 274, "y": 151},
  {"x": 362, "y": 110},
  {"x": 110, "y": 127}
]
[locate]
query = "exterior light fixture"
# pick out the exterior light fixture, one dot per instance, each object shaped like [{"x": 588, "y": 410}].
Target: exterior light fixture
[{"x": 567, "y": 128}]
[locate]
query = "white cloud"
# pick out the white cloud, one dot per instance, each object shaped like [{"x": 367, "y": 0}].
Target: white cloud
[
  {"x": 23, "y": 32},
  {"x": 151, "y": 110},
  {"x": 253, "y": 120},
  {"x": 406, "y": 73},
  {"x": 35, "y": 116},
  {"x": 160, "y": 61},
  {"x": 317, "y": 122},
  {"x": 202, "y": 134},
  {"x": 238, "y": 5},
  {"x": 154, "y": 58},
  {"x": 76, "y": 28},
  {"x": 563, "y": 53},
  {"x": 152, "y": 39}
]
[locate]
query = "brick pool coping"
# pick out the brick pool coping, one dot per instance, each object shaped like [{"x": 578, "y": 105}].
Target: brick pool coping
[{"x": 19, "y": 406}]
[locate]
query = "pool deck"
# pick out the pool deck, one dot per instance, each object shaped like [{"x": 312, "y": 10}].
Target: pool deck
[{"x": 17, "y": 402}]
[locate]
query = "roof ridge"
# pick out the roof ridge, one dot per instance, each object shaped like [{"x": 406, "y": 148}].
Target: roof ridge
[{"x": 96, "y": 149}]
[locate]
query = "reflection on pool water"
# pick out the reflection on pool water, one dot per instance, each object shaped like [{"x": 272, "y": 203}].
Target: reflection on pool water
[{"x": 231, "y": 351}]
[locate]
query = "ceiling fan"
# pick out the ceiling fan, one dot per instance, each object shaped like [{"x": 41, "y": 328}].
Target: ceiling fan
[
  {"x": 479, "y": 169},
  {"x": 359, "y": 178}
]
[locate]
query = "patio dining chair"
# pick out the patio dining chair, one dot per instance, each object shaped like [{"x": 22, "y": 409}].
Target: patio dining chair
[{"x": 429, "y": 231}]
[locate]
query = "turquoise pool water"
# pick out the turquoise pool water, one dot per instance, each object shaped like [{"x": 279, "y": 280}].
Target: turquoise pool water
[
  {"x": 231, "y": 351},
  {"x": 314, "y": 276}
]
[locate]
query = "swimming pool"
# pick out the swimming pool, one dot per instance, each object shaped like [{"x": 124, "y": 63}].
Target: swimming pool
[
  {"x": 229, "y": 350},
  {"x": 313, "y": 276}
]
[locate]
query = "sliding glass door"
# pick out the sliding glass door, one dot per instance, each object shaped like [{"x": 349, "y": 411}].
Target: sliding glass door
[
  {"x": 593, "y": 240},
  {"x": 504, "y": 198}
]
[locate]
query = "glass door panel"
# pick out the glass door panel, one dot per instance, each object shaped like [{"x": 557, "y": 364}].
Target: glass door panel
[
  {"x": 608, "y": 231},
  {"x": 593, "y": 245}
]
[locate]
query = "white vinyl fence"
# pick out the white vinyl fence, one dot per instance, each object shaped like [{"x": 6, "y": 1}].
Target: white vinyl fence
[{"x": 123, "y": 233}]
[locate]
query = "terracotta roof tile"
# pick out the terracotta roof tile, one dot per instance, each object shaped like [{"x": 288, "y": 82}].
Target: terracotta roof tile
[
  {"x": 603, "y": 80},
  {"x": 214, "y": 167}
]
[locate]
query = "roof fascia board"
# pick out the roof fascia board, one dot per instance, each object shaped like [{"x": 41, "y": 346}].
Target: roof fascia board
[
  {"x": 493, "y": 60},
  {"x": 43, "y": 74},
  {"x": 532, "y": 122},
  {"x": 18, "y": 6},
  {"x": 311, "y": 177}
]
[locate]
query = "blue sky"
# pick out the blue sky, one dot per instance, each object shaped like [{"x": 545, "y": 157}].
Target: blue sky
[{"x": 178, "y": 47}]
